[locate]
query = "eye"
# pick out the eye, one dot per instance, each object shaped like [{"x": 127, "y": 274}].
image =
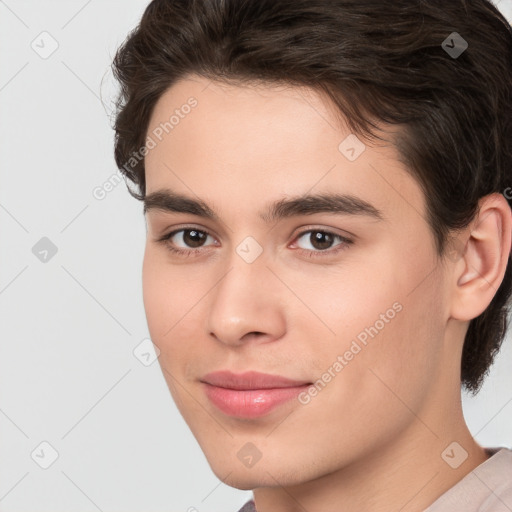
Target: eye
[
  {"x": 191, "y": 238},
  {"x": 321, "y": 242},
  {"x": 193, "y": 241}
]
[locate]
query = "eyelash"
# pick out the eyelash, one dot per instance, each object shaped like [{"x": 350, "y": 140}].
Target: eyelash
[{"x": 345, "y": 242}]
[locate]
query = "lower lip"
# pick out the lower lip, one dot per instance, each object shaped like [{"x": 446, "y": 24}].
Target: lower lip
[{"x": 250, "y": 403}]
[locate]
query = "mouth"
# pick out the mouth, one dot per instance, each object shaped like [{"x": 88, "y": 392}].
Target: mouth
[{"x": 250, "y": 394}]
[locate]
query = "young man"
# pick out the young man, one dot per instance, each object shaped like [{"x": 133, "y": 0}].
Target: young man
[{"x": 327, "y": 188}]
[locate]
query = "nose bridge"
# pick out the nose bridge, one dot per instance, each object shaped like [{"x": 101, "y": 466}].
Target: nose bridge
[{"x": 240, "y": 302}]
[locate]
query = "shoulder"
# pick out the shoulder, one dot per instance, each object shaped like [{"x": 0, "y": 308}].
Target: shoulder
[
  {"x": 248, "y": 507},
  {"x": 488, "y": 488},
  {"x": 498, "y": 480}
]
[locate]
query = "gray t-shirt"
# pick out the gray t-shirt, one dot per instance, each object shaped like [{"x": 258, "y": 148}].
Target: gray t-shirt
[{"x": 488, "y": 488}]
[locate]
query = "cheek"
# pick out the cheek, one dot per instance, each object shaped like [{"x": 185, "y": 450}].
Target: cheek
[
  {"x": 171, "y": 296},
  {"x": 156, "y": 295},
  {"x": 401, "y": 365},
  {"x": 389, "y": 336},
  {"x": 168, "y": 293},
  {"x": 163, "y": 309}
]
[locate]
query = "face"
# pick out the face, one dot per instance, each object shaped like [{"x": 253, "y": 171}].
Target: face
[{"x": 342, "y": 297}]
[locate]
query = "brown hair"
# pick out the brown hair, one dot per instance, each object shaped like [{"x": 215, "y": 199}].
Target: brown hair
[{"x": 385, "y": 60}]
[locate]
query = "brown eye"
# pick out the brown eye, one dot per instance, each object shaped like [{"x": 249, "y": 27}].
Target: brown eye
[
  {"x": 321, "y": 243},
  {"x": 319, "y": 240},
  {"x": 185, "y": 241},
  {"x": 193, "y": 238}
]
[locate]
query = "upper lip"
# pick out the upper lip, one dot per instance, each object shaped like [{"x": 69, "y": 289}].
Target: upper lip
[{"x": 250, "y": 380}]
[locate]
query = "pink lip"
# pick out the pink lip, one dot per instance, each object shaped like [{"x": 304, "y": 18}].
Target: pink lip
[{"x": 250, "y": 394}]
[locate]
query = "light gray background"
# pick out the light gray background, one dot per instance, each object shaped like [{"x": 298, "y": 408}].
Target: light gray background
[{"x": 68, "y": 375}]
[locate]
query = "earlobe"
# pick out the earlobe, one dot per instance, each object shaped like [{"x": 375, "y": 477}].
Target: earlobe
[{"x": 480, "y": 271}]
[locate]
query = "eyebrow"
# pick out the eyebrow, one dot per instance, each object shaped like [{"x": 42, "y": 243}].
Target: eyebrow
[{"x": 340, "y": 204}]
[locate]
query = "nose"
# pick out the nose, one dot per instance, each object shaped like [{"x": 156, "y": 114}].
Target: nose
[{"x": 246, "y": 304}]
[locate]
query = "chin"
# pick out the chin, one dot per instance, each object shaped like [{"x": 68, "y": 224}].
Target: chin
[
  {"x": 243, "y": 484},
  {"x": 260, "y": 475},
  {"x": 247, "y": 481}
]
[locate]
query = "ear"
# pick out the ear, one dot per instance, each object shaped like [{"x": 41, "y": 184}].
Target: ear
[{"x": 481, "y": 266}]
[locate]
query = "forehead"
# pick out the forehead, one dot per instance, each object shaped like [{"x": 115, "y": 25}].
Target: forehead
[
  {"x": 258, "y": 120},
  {"x": 214, "y": 140}
]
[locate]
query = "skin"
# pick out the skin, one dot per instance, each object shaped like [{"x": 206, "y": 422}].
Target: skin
[{"x": 372, "y": 438}]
